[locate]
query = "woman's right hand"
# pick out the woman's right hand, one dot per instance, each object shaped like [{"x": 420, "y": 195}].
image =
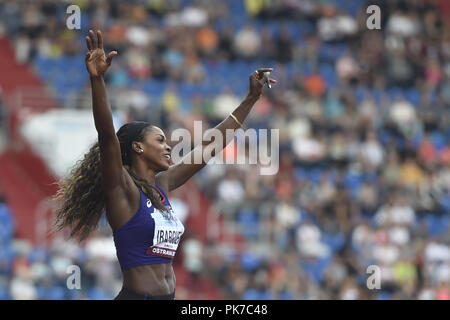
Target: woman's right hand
[{"x": 96, "y": 61}]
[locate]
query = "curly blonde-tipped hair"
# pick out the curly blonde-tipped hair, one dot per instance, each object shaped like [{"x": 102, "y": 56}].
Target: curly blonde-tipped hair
[{"x": 80, "y": 193}]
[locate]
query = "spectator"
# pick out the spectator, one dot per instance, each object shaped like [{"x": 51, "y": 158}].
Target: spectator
[
  {"x": 371, "y": 151},
  {"x": 193, "y": 260},
  {"x": 247, "y": 42},
  {"x": 225, "y": 103}
]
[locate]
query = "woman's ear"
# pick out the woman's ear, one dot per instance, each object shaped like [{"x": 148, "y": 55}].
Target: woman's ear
[{"x": 137, "y": 147}]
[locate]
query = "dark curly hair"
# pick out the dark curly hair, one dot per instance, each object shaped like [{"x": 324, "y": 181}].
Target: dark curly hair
[{"x": 80, "y": 193}]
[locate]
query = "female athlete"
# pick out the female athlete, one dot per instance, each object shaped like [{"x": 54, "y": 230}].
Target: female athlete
[{"x": 128, "y": 175}]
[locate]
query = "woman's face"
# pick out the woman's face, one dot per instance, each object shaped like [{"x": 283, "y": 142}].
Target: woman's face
[{"x": 156, "y": 151}]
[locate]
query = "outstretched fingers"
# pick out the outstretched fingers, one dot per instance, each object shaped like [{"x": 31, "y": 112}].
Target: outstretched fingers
[
  {"x": 110, "y": 57},
  {"x": 93, "y": 39},
  {"x": 100, "y": 39},
  {"x": 89, "y": 43},
  {"x": 268, "y": 81}
]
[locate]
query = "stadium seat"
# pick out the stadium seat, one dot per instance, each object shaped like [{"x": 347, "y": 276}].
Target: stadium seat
[
  {"x": 413, "y": 96},
  {"x": 250, "y": 261},
  {"x": 385, "y": 295},
  {"x": 253, "y": 294},
  {"x": 56, "y": 293},
  {"x": 328, "y": 72},
  {"x": 97, "y": 293},
  {"x": 4, "y": 294},
  {"x": 38, "y": 254},
  {"x": 335, "y": 242},
  {"x": 315, "y": 269},
  {"x": 445, "y": 203},
  {"x": 6, "y": 223},
  {"x": 439, "y": 140},
  {"x": 249, "y": 222}
]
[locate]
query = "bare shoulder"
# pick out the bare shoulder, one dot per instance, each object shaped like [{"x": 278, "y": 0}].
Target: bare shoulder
[{"x": 122, "y": 203}]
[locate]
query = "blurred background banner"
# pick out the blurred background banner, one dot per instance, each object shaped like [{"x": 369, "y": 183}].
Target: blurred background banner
[{"x": 364, "y": 123}]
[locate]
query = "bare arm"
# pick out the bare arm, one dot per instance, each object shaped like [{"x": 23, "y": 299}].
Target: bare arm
[
  {"x": 111, "y": 161},
  {"x": 179, "y": 173}
]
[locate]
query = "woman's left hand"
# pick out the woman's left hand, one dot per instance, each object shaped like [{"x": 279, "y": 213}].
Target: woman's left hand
[{"x": 257, "y": 81}]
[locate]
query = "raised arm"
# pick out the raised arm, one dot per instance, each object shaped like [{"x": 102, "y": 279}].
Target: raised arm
[
  {"x": 111, "y": 161},
  {"x": 179, "y": 173}
]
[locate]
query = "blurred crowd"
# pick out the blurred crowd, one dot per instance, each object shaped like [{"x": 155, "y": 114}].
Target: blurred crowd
[
  {"x": 30, "y": 272},
  {"x": 363, "y": 117}
]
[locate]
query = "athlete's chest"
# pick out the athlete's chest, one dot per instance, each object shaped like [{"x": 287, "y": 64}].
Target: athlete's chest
[{"x": 166, "y": 227}]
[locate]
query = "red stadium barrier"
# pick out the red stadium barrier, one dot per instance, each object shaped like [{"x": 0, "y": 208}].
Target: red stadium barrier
[{"x": 24, "y": 177}]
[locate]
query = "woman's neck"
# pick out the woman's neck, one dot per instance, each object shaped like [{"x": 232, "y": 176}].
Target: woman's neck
[{"x": 144, "y": 173}]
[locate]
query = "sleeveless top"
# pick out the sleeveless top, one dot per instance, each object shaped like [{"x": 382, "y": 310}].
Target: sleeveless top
[{"x": 149, "y": 237}]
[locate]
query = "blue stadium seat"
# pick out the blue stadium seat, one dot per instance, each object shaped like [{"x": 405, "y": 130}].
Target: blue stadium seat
[
  {"x": 331, "y": 52},
  {"x": 237, "y": 21},
  {"x": 186, "y": 105},
  {"x": 4, "y": 293},
  {"x": 220, "y": 24},
  {"x": 7, "y": 223},
  {"x": 249, "y": 222},
  {"x": 42, "y": 292},
  {"x": 395, "y": 93},
  {"x": 371, "y": 177},
  {"x": 56, "y": 293},
  {"x": 445, "y": 203},
  {"x": 282, "y": 240},
  {"x": 353, "y": 184},
  {"x": 253, "y": 294},
  {"x": 38, "y": 254},
  {"x": 439, "y": 140},
  {"x": 434, "y": 225},
  {"x": 413, "y": 96},
  {"x": 306, "y": 26},
  {"x": 250, "y": 262},
  {"x": 300, "y": 174},
  {"x": 445, "y": 221},
  {"x": 352, "y": 7},
  {"x": 315, "y": 269},
  {"x": 296, "y": 32},
  {"x": 361, "y": 93},
  {"x": 377, "y": 94},
  {"x": 305, "y": 70},
  {"x": 155, "y": 88},
  {"x": 328, "y": 72},
  {"x": 417, "y": 139},
  {"x": 335, "y": 242},
  {"x": 7, "y": 254},
  {"x": 97, "y": 293},
  {"x": 353, "y": 180},
  {"x": 385, "y": 295},
  {"x": 186, "y": 90},
  {"x": 314, "y": 175},
  {"x": 286, "y": 295},
  {"x": 185, "y": 3},
  {"x": 74, "y": 294}
]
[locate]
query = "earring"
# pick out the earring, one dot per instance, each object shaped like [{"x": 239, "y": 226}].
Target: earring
[{"x": 140, "y": 151}]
